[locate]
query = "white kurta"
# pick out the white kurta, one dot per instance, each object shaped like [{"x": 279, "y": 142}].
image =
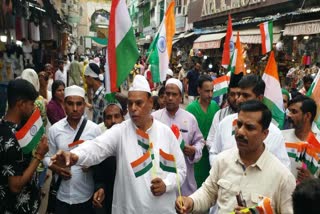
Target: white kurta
[
  {"x": 224, "y": 139},
  {"x": 131, "y": 194},
  {"x": 290, "y": 137}
]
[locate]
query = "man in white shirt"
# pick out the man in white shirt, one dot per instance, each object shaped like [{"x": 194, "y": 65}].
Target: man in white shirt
[
  {"x": 251, "y": 88},
  {"x": 61, "y": 73},
  {"x": 249, "y": 170},
  {"x": 138, "y": 188},
  {"x": 172, "y": 114},
  {"x": 77, "y": 186},
  {"x": 302, "y": 111},
  {"x": 232, "y": 96}
]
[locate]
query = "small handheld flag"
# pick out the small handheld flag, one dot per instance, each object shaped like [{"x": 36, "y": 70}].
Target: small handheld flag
[
  {"x": 30, "y": 134},
  {"x": 142, "y": 165},
  {"x": 178, "y": 135}
]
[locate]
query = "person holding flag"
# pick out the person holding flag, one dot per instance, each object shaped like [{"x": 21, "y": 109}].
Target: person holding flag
[
  {"x": 172, "y": 114},
  {"x": 141, "y": 185},
  {"x": 302, "y": 111},
  {"x": 22, "y": 148},
  {"x": 248, "y": 170}
]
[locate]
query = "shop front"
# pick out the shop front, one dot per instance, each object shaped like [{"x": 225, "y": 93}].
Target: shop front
[{"x": 303, "y": 42}]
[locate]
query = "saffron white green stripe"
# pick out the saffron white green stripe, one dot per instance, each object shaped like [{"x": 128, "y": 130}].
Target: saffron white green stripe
[
  {"x": 142, "y": 165},
  {"x": 30, "y": 134},
  {"x": 167, "y": 162},
  {"x": 273, "y": 94},
  {"x": 266, "y": 30},
  {"x": 220, "y": 85},
  {"x": 160, "y": 49}
]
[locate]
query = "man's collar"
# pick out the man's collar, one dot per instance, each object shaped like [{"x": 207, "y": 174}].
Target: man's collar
[
  {"x": 169, "y": 115},
  {"x": 66, "y": 123},
  {"x": 260, "y": 163}
]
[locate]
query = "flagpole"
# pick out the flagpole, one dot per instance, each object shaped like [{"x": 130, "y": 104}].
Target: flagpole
[{"x": 178, "y": 183}]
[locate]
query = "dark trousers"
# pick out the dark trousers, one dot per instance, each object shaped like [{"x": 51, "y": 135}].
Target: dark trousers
[{"x": 82, "y": 208}]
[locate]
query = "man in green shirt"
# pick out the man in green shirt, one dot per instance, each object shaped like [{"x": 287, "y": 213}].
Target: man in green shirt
[{"x": 204, "y": 110}]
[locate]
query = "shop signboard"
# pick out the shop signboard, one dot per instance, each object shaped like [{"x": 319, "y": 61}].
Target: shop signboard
[
  {"x": 302, "y": 28},
  {"x": 207, "y": 45},
  {"x": 214, "y": 8}
]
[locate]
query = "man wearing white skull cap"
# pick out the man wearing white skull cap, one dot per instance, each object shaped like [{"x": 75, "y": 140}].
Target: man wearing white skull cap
[
  {"x": 77, "y": 186},
  {"x": 141, "y": 185},
  {"x": 172, "y": 114}
]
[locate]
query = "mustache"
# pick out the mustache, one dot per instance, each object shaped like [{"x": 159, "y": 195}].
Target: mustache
[{"x": 241, "y": 139}]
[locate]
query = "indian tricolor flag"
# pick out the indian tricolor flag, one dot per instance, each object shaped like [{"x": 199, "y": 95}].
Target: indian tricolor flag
[
  {"x": 160, "y": 48},
  {"x": 122, "y": 48},
  {"x": 220, "y": 85},
  {"x": 311, "y": 158},
  {"x": 167, "y": 162},
  {"x": 176, "y": 131},
  {"x": 30, "y": 134},
  {"x": 266, "y": 30},
  {"x": 142, "y": 165},
  {"x": 228, "y": 46},
  {"x": 143, "y": 139},
  {"x": 314, "y": 93},
  {"x": 295, "y": 150},
  {"x": 272, "y": 94}
]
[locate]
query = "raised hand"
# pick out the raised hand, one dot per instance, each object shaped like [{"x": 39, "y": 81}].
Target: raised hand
[{"x": 64, "y": 159}]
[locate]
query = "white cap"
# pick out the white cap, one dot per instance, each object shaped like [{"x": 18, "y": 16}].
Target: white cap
[
  {"x": 179, "y": 66},
  {"x": 170, "y": 72},
  {"x": 89, "y": 70},
  {"x": 74, "y": 91},
  {"x": 176, "y": 82},
  {"x": 140, "y": 83}
]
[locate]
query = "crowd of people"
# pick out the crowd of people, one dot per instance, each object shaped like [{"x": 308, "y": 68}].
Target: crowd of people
[{"x": 154, "y": 147}]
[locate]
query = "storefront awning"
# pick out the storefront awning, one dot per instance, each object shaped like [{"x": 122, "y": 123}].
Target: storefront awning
[
  {"x": 175, "y": 41},
  {"x": 253, "y": 36},
  {"x": 209, "y": 41},
  {"x": 188, "y": 35},
  {"x": 302, "y": 28}
]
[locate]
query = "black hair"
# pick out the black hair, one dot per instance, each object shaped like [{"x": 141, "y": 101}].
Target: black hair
[
  {"x": 234, "y": 80},
  {"x": 307, "y": 78},
  {"x": 161, "y": 91},
  {"x": 253, "y": 81},
  {"x": 305, "y": 197},
  {"x": 255, "y": 106},
  {"x": 202, "y": 79},
  {"x": 55, "y": 86},
  {"x": 308, "y": 105},
  {"x": 96, "y": 69},
  {"x": 20, "y": 89},
  {"x": 110, "y": 104}
]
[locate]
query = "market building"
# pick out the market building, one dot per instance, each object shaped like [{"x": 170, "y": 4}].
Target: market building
[{"x": 296, "y": 30}]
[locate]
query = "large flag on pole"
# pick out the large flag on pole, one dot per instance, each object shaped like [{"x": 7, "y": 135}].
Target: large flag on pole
[
  {"x": 236, "y": 65},
  {"x": 122, "y": 47},
  {"x": 266, "y": 30},
  {"x": 228, "y": 46},
  {"x": 272, "y": 94},
  {"x": 161, "y": 46},
  {"x": 30, "y": 134},
  {"x": 314, "y": 93}
]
